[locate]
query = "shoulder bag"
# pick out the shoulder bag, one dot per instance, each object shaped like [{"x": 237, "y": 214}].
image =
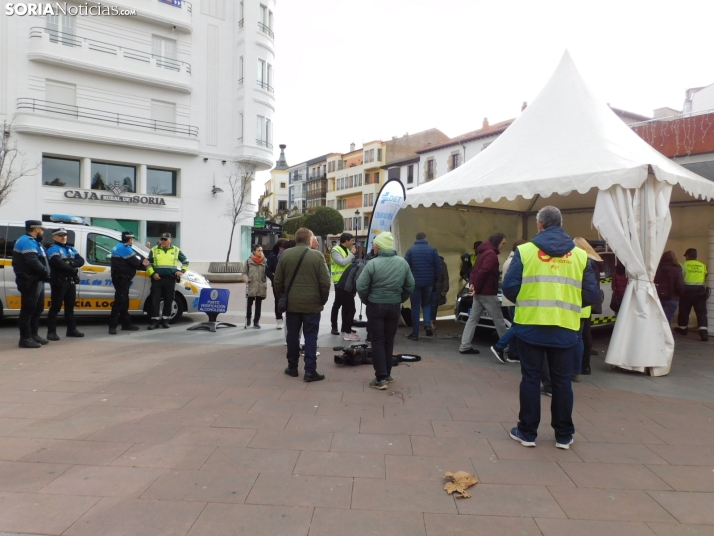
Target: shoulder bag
[{"x": 283, "y": 300}]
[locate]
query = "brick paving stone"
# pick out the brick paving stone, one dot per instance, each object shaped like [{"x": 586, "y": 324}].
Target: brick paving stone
[
  {"x": 201, "y": 486},
  {"x": 134, "y": 433},
  {"x": 39, "y": 411},
  {"x": 253, "y": 520},
  {"x": 291, "y": 440},
  {"x": 315, "y": 397},
  {"x": 610, "y": 504},
  {"x": 244, "y": 460},
  {"x": 371, "y": 443},
  {"x": 166, "y": 456},
  {"x": 103, "y": 481},
  {"x": 76, "y": 452},
  {"x": 311, "y": 423},
  {"x": 615, "y": 476},
  {"x": 251, "y": 421},
  {"x": 394, "y": 411},
  {"x": 14, "y": 448},
  {"x": 623, "y": 419},
  {"x": 323, "y": 491},
  {"x": 525, "y": 472},
  {"x": 669, "y": 529},
  {"x": 212, "y": 437},
  {"x": 350, "y": 386},
  {"x": 155, "y": 402},
  {"x": 616, "y": 453},
  {"x": 580, "y": 527},
  {"x": 284, "y": 407},
  {"x": 331, "y": 521},
  {"x": 241, "y": 393},
  {"x": 509, "y": 501},
  {"x": 448, "y": 525},
  {"x": 378, "y": 425},
  {"x": 137, "y": 517},
  {"x": 41, "y": 514},
  {"x": 484, "y": 415},
  {"x": 7, "y": 426},
  {"x": 182, "y": 417},
  {"x": 397, "y": 495},
  {"x": 57, "y": 429},
  {"x": 356, "y": 410},
  {"x": 29, "y": 476},
  {"x": 508, "y": 449},
  {"x": 279, "y": 380},
  {"x": 346, "y": 464},
  {"x": 686, "y": 478},
  {"x": 109, "y": 414},
  {"x": 690, "y": 437},
  {"x": 452, "y": 446},
  {"x": 687, "y": 507},
  {"x": 618, "y": 434},
  {"x": 484, "y": 430},
  {"x": 372, "y": 398},
  {"x": 425, "y": 467},
  {"x": 685, "y": 454}
]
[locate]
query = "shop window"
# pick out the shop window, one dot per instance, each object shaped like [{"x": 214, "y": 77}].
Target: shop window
[
  {"x": 155, "y": 228},
  {"x": 160, "y": 182},
  {"x": 99, "y": 249},
  {"x": 114, "y": 177},
  {"x": 60, "y": 172}
]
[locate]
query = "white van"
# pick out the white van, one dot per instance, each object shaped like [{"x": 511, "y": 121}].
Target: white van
[{"x": 95, "y": 293}]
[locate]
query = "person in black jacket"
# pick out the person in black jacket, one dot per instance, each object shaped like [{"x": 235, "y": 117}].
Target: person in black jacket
[
  {"x": 270, "y": 265},
  {"x": 29, "y": 262},
  {"x": 64, "y": 264},
  {"x": 125, "y": 262}
]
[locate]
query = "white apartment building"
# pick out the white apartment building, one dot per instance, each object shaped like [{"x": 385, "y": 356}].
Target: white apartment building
[
  {"x": 275, "y": 198},
  {"x": 137, "y": 122},
  {"x": 297, "y": 188}
]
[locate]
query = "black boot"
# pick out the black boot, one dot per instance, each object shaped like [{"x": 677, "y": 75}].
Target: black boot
[
  {"x": 165, "y": 323},
  {"x": 291, "y": 372},
  {"x": 112, "y": 330},
  {"x": 247, "y": 323},
  {"x": 29, "y": 343},
  {"x": 704, "y": 334},
  {"x": 39, "y": 339},
  {"x": 313, "y": 377},
  {"x": 130, "y": 327},
  {"x": 74, "y": 333},
  {"x": 154, "y": 324},
  {"x": 52, "y": 336}
]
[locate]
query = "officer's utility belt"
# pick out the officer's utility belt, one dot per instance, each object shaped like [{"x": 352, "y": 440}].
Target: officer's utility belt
[
  {"x": 61, "y": 278},
  {"x": 700, "y": 290}
]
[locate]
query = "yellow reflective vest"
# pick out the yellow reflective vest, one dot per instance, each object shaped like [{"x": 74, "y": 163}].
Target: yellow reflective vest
[
  {"x": 551, "y": 288},
  {"x": 338, "y": 270},
  {"x": 695, "y": 272},
  {"x": 166, "y": 261}
]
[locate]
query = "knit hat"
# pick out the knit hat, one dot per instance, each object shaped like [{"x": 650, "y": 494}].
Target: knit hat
[{"x": 384, "y": 241}]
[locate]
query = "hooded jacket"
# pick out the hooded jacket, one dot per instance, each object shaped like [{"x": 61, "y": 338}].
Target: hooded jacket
[
  {"x": 424, "y": 263},
  {"x": 555, "y": 242},
  {"x": 311, "y": 288},
  {"x": 385, "y": 279},
  {"x": 257, "y": 286},
  {"x": 669, "y": 281},
  {"x": 484, "y": 276}
]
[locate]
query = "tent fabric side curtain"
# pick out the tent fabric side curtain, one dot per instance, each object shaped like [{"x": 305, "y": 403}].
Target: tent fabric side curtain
[{"x": 636, "y": 223}]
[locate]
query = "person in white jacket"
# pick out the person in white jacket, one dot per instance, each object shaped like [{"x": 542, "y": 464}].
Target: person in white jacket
[{"x": 499, "y": 349}]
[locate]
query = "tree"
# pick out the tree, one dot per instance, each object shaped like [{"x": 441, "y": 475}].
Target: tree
[
  {"x": 239, "y": 192},
  {"x": 325, "y": 221},
  {"x": 290, "y": 226},
  {"x": 12, "y": 164}
]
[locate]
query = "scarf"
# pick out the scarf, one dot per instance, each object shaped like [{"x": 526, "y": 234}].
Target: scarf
[{"x": 257, "y": 260}]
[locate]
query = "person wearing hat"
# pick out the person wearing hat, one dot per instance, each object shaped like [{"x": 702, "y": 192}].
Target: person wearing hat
[
  {"x": 64, "y": 263},
  {"x": 384, "y": 284},
  {"x": 125, "y": 261},
  {"x": 29, "y": 262},
  {"x": 694, "y": 296},
  {"x": 164, "y": 271}
]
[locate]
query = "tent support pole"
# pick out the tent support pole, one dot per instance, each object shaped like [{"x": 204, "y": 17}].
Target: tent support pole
[{"x": 525, "y": 215}]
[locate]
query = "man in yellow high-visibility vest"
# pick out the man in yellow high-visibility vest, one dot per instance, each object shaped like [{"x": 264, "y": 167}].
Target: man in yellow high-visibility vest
[
  {"x": 167, "y": 264},
  {"x": 342, "y": 257},
  {"x": 550, "y": 281},
  {"x": 694, "y": 296}
]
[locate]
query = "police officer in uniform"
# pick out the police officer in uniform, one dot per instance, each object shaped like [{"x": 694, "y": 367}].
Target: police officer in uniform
[
  {"x": 29, "y": 262},
  {"x": 125, "y": 262},
  {"x": 342, "y": 257},
  {"x": 695, "y": 295},
  {"x": 64, "y": 264},
  {"x": 163, "y": 269}
]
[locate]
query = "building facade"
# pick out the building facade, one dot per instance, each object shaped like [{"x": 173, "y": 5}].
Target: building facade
[
  {"x": 275, "y": 198},
  {"x": 297, "y": 188},
  {"x": 137, "y": 122},
  {"x": 317, "y": 182}
]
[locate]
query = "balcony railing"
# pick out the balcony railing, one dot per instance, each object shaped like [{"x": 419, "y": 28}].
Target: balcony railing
[
  {"x": 67, "y": 110},
  {"x": 72, "y": 40},
  {"x": 264, "y": 143},
  {"x": 265, "y": 86},
  {"x": 317, "y": 177},
  {"x": 267, "y": 31},
  {"x": 241, "y": 23},
  {"x": 240, "y": 81},
  {"x": 189, "y": 6},
  {"x": 317, "y": 193}
]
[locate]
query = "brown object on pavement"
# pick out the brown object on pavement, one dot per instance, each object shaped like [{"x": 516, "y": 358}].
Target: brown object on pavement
[{"x": 461, "y": 481}]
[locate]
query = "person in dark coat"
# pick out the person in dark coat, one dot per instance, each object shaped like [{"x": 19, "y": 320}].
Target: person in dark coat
[
  {"x": 65, "y": 263},
  {"x": 425, "y": 264},
  {"x": 125, "y": 262},
  {"x": 271, "y": 264},
  {"x": 484, "y": 289},
  {"x": 438, "y": 295},
  {"x": 619, "y": 284},
  {"x": 670, "y": 284}
]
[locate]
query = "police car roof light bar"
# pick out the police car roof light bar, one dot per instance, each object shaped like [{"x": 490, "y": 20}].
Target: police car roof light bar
[{"x": 68, "y": 218}]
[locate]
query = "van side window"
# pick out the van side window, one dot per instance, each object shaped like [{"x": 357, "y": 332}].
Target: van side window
[
  {"x": 99, "y": 249},
  {"x": 7, "y": 241}
]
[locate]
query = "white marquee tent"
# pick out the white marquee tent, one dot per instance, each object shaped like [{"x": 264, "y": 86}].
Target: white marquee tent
[{"x": 569, "y": 150}]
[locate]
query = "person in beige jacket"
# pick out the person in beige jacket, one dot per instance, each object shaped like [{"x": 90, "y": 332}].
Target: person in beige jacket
[{"x": 256, "y": 287}]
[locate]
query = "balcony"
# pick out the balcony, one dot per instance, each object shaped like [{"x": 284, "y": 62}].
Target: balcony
[
  {"x": 84, "y": 54},
  {"x": 45, "y": 118},
  {"x": 264, "y": 143},
  {"x": 317, "y": 193},
  {"x": 265, "y": 87},
  {"x": 317, "y": 177},
  {"x": 174, "y": 14},
  {"x": 267, "y": 31}
]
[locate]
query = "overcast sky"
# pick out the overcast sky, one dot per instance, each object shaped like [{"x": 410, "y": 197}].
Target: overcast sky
[{"x": 359, "y": 70}]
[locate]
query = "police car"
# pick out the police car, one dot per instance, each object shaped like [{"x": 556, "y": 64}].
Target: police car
[{"x": 95, "y": 292}]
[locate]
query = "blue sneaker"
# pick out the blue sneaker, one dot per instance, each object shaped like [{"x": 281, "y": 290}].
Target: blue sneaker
[
  {"x": 518, "y": 436},
  {"x": 565, "y": 445}
]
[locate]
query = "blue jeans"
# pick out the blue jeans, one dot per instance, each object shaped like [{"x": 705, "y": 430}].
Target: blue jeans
[
  {"x": 310, "y": 323},
  {"x": 421, "y": 297},
  {"x": 560, "y": 364},
  {"x": 434, "y": 306},
  {"x": 508, "y": 338},
  {"x": 670, "y": 307},
  {"x": 382, "y": 323}
]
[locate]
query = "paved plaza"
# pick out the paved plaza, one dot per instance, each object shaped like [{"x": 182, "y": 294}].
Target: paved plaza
[{"x": 176, "y": 432}]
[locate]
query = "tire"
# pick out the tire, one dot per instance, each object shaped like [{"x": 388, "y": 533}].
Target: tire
[{"x": 177, "y": 309}]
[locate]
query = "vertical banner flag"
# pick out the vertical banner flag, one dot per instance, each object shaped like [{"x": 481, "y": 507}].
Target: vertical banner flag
[{"x": 389, "y": 201}]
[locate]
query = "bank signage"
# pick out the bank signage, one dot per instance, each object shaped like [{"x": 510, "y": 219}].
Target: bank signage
[{"x": 114, "y": 197}]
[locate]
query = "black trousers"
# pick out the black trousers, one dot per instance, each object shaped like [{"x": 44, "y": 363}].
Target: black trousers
[
  {"x": 163, "y": 289},
  {"x": 692, "y": 298},
  {"x": 346, "y": 300},
  {"x": 258, "y": 303},
  {"x": 64, "y": 292},
  {"x": 278, "y": 314},
  {"x": 587, "y": 343},
  {"x": 120, "y": 307},
  {"x": 32, "y": 303},
  {"x": 382, "y": 323}
]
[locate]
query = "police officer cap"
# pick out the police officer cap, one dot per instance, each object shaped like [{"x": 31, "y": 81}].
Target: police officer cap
[
  {"x": 165, "y": 235},
  {"x": 32, "y": 224},
  {"x": 60, "y": 232},
  {"x": 126, "y": 235}
]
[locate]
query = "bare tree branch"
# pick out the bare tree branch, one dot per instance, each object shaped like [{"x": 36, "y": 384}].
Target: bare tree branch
[
  {"x": 13, "y": 167},
  {"x": 239, "y": 192}
]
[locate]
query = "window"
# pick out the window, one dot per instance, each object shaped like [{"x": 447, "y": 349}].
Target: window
[
  {"x": 366, "y": 222},
  {"x": 366, "y": 200},
  {"x": 282, "y": 186},
  {"x": 113, "y": 176},
  {"x": 60, "y": 172},
  {"x": 455, "y": 160},
  {"x": 240, "y": 68},
  {"x": 160, "y": 182},
  {"x": 371, "y": 155},
  {"x": 410, "y": 173},
  {"x": 99, "y": 249},
  {"x": 347, "y": 224},
  {"x": 264, "y": 135},
  {"x": 366, "y": 156},
  {"x": 62, "y": 29},
  {"x": 63, "y": 97},
  {"x": 376, "y": 177},
  {"x": 429, "y": 172},
  {"x": 155, "y": 228},
  {"x": 379, "y": 155},
  {"x": 240, "y": 127},
  {"x": 8, "y": 236},
  {"x": 371, "y": 200},
  {"x": 164, "y": 115},
  {"x": 164, "y": 52},
  {"x": 282, "y": 205},
  {"x": 339, "y": 165}
]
